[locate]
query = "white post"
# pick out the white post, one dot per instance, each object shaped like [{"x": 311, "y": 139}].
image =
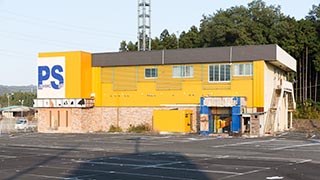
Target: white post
[
  {"x": 286, "y": 112},
  {"x": 21, "y": 101},
  {"x": 290, "y": 120}
]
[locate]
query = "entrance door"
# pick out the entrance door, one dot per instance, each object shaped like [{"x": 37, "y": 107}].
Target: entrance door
[{"x": 221, "y": 119}]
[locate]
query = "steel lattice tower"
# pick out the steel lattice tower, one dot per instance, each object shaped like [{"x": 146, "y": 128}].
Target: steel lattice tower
[{"x": 144, "y": 25}]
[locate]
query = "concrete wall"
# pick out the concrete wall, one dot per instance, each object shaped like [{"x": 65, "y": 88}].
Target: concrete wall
[
  {"x": 99, "y": 119},
  {"x": 274, "y": 78}
]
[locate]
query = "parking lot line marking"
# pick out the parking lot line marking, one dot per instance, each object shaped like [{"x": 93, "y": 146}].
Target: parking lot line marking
[
  {"x": 197, "y": 155},
  {"x": 84, "y": 176},
  {"x": 45, "y": 176},
  {"x": 158, "y": 165},
  {"x": 198, "y": 170},
  {"x": 245, "y": 173},
  {"x": 155, "y": 167},
  {"x": 267, "y": 168},
  {"x": 134, "y": 159},
  {"x": 296, "y": 146},
  {"x": 185, "y": 154},
  {"x": 267, "y": 158},
  {"x": 8, "y": 157},
  {"x": 243, "y": 143},
  {"x": 122, "y": 173},
  {"x": 304, "y": 161}
]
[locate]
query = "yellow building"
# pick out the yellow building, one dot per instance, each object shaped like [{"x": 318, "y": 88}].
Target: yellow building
[{"x": 83, "y": 92}]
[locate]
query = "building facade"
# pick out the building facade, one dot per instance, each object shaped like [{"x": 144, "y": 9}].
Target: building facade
[{"x": 82, "y": 92}]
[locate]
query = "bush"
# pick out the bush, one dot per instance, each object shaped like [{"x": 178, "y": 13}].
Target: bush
[
  {"x": 115, "y": 129},
  {"x": 141, "y": 128},
  {"x": 307, "y": 110}
]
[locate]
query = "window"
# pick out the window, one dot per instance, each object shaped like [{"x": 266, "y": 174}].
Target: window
[
  {"x": 243, "y": 69},
  {"x": 219, "y": 73},
  {"x": 150, "y": 73},
  {"x": 182, "y": 71}
]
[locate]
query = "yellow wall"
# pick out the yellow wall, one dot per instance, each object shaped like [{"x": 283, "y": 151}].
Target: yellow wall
[
  {"x": 78, "y": 73},
  {"x": 86, "y": 75},
  {"x": 126, "y": 86},
  {"x": 172, "y": 120},
  {"x": 166, "y": 90},
  {"x": 258, "y": 84},
  {"x": 96, "y": 85}
]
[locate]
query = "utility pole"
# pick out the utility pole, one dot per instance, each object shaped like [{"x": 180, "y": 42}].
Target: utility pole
[
  {"x": 8, "y": 96},
  {"x": 144, "y": 25},
  {"x": 306, "y": 75},
  {"x": 21, "y": 101},
  {"x": 178, "y": 39}
]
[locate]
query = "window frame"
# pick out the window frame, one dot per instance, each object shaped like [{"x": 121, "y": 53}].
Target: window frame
[
  {"x": 225, "y": 71},
  {"x": 151, "y": 77},
  {"x": 185, "y": 71},
  {"x": 245, "y": 65}
]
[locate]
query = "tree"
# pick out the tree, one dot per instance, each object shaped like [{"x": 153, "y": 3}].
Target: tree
[
  {"x": 155, "y": 44},
  {"x": 123, "y": 46},
  {"x": 240, "y": 25},
  {"x": 191, "y": 39},
  {"x": 258, "y": 23},
  {"x": 14, "y": 99},
  {"x": 168, "y": 41},
  {"x": 131, "y": 46},
  {"x": 314, "y": 17}
]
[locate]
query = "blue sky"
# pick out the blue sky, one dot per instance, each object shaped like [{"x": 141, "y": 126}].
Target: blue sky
[{"x": 33, "y": 26}]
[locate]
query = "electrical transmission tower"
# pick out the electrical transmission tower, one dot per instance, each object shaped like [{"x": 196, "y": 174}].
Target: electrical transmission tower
[{"x": 144, "y": 25}]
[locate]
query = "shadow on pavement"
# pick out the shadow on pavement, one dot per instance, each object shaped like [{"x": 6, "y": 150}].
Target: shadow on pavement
[
  {"x": 143, "y": 165},
  {"x": 139, "y": 165}
]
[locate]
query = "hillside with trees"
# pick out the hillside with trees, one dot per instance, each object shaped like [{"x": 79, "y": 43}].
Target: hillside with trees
[
  {"x": 13, "y": 89},
  {"x": 15, "y": 99},
  {"x": 259, "y": 23},
  {"x": 12, "y": 94}
]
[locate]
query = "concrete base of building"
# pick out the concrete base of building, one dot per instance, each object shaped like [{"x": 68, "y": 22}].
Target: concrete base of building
[{"x": 100, "y": 119}]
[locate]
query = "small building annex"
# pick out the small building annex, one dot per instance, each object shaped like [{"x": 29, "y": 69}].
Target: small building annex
[
  {"x": 12, "y": 112},
  {"x": 240, "y": 89}
]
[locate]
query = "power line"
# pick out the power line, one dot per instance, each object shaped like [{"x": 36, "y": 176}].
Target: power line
[
  {"x": 57, "y": 43},
  {"x": 68, "y": 27}
]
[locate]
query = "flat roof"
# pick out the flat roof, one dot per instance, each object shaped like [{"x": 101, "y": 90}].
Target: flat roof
[{"x": 230, "y": 54}]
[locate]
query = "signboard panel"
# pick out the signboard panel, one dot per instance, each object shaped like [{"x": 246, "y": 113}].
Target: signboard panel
[
  {"x": 223, "y": 101},
  {"x": 51, "y": 78},
  {"x": 61, "y": 103}
]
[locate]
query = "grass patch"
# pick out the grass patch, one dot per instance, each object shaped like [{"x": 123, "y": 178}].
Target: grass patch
[
  {"x": 141, "y": 128},
  {"x": 115, "y": 129}
]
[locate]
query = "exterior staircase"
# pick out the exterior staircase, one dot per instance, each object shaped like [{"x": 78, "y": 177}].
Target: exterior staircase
[{"x": 285, "y": 88}]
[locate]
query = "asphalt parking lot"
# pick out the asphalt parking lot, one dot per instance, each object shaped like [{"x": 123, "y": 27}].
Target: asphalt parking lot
[{"x": 141, "y": 156}]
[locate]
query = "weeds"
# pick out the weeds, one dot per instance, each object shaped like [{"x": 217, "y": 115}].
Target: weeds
[
  {"x": 141, "y": 128},
  {"x": 115, "y": 129}
]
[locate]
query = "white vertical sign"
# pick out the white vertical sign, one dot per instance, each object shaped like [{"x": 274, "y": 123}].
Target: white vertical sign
[{"x": 51, "y": 77}]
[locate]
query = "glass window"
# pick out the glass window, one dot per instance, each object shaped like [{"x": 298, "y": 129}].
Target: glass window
[
  {"x": 182, "y": 71},
  {"x": 243, "y": 69},
  {"x": 219, "y": 73},
  {"x": 151, "y": 73}
]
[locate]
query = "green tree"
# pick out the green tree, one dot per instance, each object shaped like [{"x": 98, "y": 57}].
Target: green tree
[
  {"x": 16, "y": 99},
  {"x": 155, "y": 44},
  {"x": 168, "y": 41},
  {"x": 132, "y": 47},
  {"x": 258, "y": 23},
  {"x": 314, "y": 17},
  {"x": 191, "y": 39},
  {"x": 123, "y": 46},
  {"x": 240, "y": 25}
]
